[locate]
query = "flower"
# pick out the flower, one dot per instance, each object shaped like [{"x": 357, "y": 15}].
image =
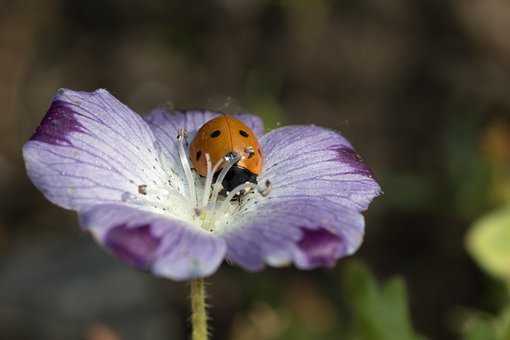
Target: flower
[{"x": 129, "y": 180}]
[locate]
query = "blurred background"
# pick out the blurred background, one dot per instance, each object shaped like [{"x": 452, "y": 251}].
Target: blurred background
[{"x": 421, "y": 88}]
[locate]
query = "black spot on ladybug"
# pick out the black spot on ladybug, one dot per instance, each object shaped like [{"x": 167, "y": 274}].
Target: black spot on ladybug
[
  {"x": 199, "y": 153},
  {"x": 243, "y": 133},
  {"x": 260, "y": 153},
  {"x": 215, "y": 133}
]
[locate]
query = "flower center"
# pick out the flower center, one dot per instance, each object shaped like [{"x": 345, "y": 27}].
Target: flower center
[
  {"x": 210, "y": 209},
  {"x": 197, "y": 199}
]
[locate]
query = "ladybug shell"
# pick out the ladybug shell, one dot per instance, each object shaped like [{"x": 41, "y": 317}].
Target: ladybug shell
[{"x": 220, "y": 136}]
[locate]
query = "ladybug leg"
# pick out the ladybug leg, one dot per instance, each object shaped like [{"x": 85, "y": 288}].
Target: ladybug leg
[{"x": 238, "y": 197}]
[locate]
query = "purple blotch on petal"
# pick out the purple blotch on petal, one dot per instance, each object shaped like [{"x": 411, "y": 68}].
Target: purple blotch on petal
[
  {"x": 321, "y": 248},
  {"x": 134, "y": 245},
  {"x": 57, "y": 123},
  {"x": 347, "y": 155}
]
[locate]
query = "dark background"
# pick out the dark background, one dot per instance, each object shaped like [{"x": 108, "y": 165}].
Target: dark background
[{"x": 421, "y": 88}]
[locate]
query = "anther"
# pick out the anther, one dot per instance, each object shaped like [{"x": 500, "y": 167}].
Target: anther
[
  {"x": 249, "y": 151},
  {"x": 264, "y": 191},
  {"x": 142, "y": 189},
  {"x": 232, "y": 157},
  {"x": 182, "y": 134}
]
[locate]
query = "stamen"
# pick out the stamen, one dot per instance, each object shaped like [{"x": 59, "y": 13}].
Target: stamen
[
  {"x": 207, "y": 185},
  {"x": 172, "y": 177},
  {"x": 249, "y": 151},
  {"x": 231, "y": 159},
  {"x": 185, "y": 165},
  {"x": 209, "y": 179},
  {"x": 194, "y": 203},
  {"x": 265, "y": 191}
]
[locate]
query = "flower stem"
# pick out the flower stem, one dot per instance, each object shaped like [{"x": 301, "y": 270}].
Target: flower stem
[{"x": 198, "y": 310}]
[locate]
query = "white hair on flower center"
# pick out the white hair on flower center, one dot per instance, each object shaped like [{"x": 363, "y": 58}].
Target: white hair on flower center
[{"x": 196, "y": 199}]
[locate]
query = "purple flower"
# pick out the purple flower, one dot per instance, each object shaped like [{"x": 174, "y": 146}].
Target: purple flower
[{"x": 130, "y": 181}]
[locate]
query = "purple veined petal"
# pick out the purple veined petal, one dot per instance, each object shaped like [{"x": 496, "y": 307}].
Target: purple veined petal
[
  {"x": 167, "y": 247},
  {"x": 319, "y": 248},
  {"x": 91, "y": 149},
  {"x": 310, "y": 233},
  {"x": 303, "y": 161},
  {"x": 166, "y": 124}
]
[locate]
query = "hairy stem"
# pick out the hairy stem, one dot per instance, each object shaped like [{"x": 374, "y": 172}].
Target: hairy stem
[{"x": 198, "y": 310}]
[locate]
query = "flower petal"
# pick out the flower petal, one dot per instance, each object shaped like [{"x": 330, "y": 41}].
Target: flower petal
[
  {"x": 311, "y": 232},
  {"x": 319, "y": 248},
  {"x": 309, "y": 161},
  {"x": 166, "y": 124},
  {"x": 91, "y": 149},
  {"x": 312, "y": 216},
  {"x": 168, "y": 247}
]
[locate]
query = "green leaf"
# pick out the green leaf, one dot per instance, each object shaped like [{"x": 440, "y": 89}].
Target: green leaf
[
  {"x": 488, "y": 242},
  {"x": 480, "y": 330},
  {"x": 379, "y": 313},
  {"x": 503, "y": 324},
  {"x": 480, "y": 326}
]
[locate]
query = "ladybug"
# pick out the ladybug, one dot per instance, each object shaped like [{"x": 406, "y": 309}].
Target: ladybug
[{"x": 227, "y": 138}]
